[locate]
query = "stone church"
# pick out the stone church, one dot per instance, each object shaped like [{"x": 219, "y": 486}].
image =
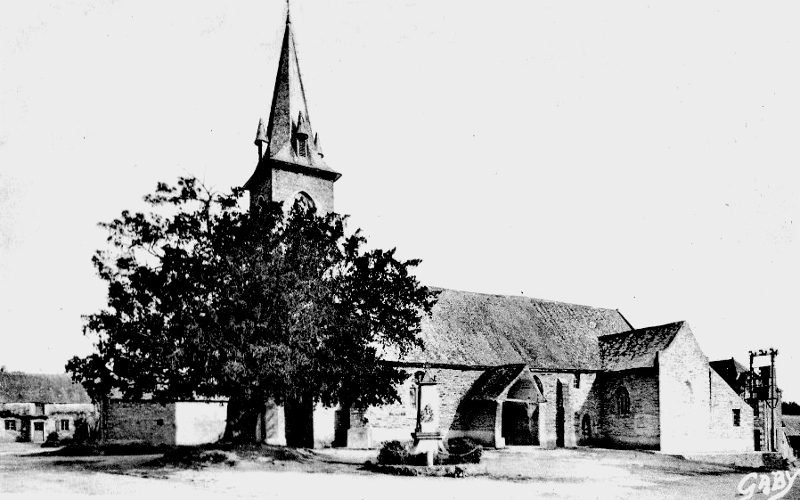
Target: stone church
[{"x": 510, "y": 370}]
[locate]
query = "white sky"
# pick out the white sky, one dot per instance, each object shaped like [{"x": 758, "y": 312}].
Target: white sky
[{"x": 628, "y": 155}]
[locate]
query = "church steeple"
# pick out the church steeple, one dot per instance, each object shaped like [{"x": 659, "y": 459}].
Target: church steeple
[{"x": 290, "y": 144}]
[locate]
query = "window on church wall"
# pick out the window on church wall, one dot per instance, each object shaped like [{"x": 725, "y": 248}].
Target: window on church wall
[
  {"x": 302, "y": 147},
  {"x": 622, "y": 402},
  {"x": 737, "y": 417}
]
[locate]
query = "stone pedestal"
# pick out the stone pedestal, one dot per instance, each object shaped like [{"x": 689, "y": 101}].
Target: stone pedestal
[
  {"x": 359, "y": 437},
  {"x": 427, "y": 438}
]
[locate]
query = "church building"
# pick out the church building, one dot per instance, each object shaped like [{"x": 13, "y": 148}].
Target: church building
[{"x": 510, "y": 370}]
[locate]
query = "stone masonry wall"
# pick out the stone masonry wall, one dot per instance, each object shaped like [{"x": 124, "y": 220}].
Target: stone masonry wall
[
  {"x": 725, "y": 435},
  {"x": 397, "y": 421},
  {"x": 586, "y": 403},
  {"x": 640, "y": 427},
  {"x": 684, "y": 394},
  {"x": 144, "y": 421},
  {"x": 286, "y": 184}
]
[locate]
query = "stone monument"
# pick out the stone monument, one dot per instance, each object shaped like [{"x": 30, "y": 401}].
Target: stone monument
[{"x": 427, "y": 438}]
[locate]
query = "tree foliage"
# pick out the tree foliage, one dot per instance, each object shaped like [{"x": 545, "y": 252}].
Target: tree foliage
[
  {"x": 206, "y": 300},
  {"x": 790, "y": 408}
]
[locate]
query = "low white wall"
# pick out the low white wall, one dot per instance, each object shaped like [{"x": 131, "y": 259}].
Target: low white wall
[
  {"x": 199, "y": 422},
  {"x": 275, "y": 420},
  {"x": 324, "y": 426}
]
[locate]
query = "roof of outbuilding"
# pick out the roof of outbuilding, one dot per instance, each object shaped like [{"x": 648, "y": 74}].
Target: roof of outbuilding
[
  {"x": 636, "y": 348},
  {"x": 791, "y": 425},
  {"x": 492, "y": 330},
  {"x": 732, "y": 372},
  {"x": 18, "y": 387}
]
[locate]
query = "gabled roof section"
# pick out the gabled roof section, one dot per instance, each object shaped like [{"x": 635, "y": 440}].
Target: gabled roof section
[
  {"x": 289, "y": 113},
  {"x": 636, "y": 348},
  {"x": 491, "y": 330},
  {"x": 732, "y": 372},
  {"x": 18, "y": 387}
]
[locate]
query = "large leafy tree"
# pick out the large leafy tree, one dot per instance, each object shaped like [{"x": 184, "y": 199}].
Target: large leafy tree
[{"x": 206, "y": 300}]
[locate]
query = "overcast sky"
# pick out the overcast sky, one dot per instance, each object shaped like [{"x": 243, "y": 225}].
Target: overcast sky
[{"x": 641, "y": 157}]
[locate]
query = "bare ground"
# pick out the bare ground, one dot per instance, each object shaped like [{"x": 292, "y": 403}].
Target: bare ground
[{"x": 512, "y": 473}]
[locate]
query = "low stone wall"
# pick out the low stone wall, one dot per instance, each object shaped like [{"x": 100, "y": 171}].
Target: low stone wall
[{"x": 145, "y": 421}]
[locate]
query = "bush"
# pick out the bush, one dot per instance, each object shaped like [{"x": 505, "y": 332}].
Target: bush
[
  {"x": 394, "y": 453},
  {"x": 461, "y": 451},
  {"x": 464, "y": 451},
  {"x": 82, "y": 432},
  {"x": 52, "y": 441}
]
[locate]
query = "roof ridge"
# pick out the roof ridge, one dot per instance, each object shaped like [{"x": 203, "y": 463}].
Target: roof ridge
[
  {"x": 631, "y": 332},
  {"x": 550, "y": 301}
]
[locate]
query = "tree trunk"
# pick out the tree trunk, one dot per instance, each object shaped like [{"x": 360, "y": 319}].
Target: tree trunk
[
  {"x": 300, "y": 423},
  {"x": 242, "y": 421}
]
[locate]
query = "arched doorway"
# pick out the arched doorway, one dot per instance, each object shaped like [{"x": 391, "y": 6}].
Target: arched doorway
[{"x": 520, "y": 425}]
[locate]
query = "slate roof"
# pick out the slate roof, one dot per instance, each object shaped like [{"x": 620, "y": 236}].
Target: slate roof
[
  {"x": 636, "y": 348},
  {"x": 491, "y": 330},
  {"x": 791, "y": 425},
  {"x": 18, "y": 387},
  {"x": 732, "y": 372}
]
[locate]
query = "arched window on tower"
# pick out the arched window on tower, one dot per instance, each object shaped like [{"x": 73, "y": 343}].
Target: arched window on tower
[
  {"x": 622, "y": 401},
  {"x": 304, "y": 202}
]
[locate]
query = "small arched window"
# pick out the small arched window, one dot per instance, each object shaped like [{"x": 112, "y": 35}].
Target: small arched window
[
  {"x": 622, "y": 401},
  {"x": 304, "y": 202},
  {"x": 302, "y": 146}
]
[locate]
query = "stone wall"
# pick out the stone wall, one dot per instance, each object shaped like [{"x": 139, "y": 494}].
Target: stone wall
[
  {"x": 286, "y": 184},
  {"x": 696, "y": 405},
  {"x": 640, "y": 427},
  {"x": 482, "y": 420},
  {"x": 586, "y": 403},
  {"x": 144, "y": 421},
  {"x": 397, "y": 420},
  {"x": 724, "y": 434}
]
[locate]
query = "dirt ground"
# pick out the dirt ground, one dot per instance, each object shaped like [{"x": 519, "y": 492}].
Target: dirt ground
[{"x": 513, "y": 473}]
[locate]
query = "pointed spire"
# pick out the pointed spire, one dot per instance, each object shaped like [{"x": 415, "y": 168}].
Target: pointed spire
[{"x": 289, "y": 104}]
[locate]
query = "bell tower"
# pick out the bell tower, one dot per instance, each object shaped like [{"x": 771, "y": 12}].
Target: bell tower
[{"x": 291, "y": 165}]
